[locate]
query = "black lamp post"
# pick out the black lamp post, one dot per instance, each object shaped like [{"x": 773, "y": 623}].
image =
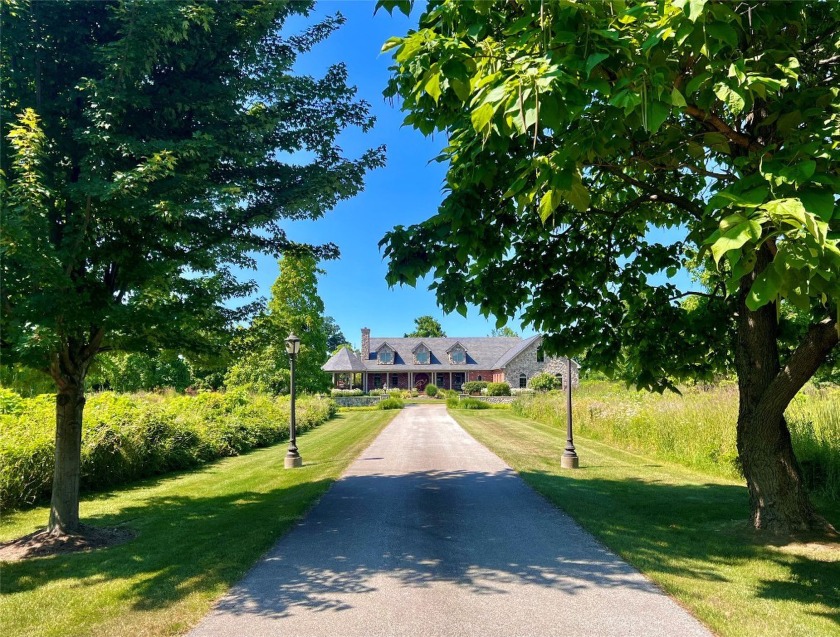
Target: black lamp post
[
  {"x": 570, "y": 459},
  {"x": 293, "y": 458}
]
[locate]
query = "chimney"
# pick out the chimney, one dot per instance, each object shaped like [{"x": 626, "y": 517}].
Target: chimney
[{"x": 365, "y": 343}]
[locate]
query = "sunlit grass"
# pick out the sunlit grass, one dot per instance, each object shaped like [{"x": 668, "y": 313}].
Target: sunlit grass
[
  {"x": 683, "y": 528},
  {"x": 197, "y": 533}
]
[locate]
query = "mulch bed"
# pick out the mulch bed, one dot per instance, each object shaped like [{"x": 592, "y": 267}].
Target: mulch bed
[{"x": 44, "y": 544}]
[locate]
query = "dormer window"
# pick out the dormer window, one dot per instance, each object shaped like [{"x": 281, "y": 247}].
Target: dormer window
[
  {"x": 422, "y": 355},
  {"x": 385, "y": 355},
  {"x": 457, "y": 354}
]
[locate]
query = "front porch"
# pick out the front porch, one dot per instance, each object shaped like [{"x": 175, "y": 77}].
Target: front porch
[{"x": 412, "y": 380}]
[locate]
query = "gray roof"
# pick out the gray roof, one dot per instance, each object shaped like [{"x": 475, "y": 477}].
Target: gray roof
[
  {"x": 513, "y": 352},
  {"x": 482, "y": 353},
  {"x": 344, "y": 360}
]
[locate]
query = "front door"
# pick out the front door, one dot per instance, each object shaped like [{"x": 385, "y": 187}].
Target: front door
[{"x": 420, "y": 381}]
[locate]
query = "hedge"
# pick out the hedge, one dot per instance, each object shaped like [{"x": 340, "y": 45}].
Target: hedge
[{"x": 126, "y": 437}]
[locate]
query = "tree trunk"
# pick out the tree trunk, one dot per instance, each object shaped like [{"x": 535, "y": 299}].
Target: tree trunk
[
  {"x": 64, "y": 507},
  {"x": 779, "y": 502}
]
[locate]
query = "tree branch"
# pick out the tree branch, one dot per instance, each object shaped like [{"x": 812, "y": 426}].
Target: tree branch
[
  {"x": 715, "y": 123},
  {"x": 801, "y": 366},
  {"x": 660, "y": 195}
]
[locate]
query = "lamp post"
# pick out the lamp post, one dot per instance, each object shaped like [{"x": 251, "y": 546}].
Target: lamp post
[
  {"x": 570, "y": 459},
  {"x": 293, "y": 458}
]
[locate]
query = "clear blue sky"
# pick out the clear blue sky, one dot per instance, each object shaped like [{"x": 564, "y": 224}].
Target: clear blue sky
[{"x": 406, "y": 191}]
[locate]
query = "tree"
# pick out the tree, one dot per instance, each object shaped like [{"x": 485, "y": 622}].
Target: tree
[
  {"x": 295, "y": 307},
  {"x": 597, "y": 148},
  {"x": 505, "y": 331},
  {"x": 427, "y": 327},
  {"x": 146, "y": 152},
  {"x": 335, "y": 337}
]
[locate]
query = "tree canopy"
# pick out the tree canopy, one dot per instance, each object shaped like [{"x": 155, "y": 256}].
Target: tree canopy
[
  {"x": 149, "y": 149},
  {"x": 597, "y": 148},
  {"x": 427, "y": 327}
]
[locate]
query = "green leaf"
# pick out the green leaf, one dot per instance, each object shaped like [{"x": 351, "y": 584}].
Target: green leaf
[
  {"x": 432, "y": 86},
  {"x": 765, "y": 288},
  {"x": 548, "y": 203},
  {"x": 677, "y": 98},
  {"x": 658, "y": 113},
  {"x": 818, "y": 202},
  {"x": 735, "y": 237},
  {"x": 731, "y": 97},
  {"x": 594, "y": 60},
  {"x": 481, "y": 116}
]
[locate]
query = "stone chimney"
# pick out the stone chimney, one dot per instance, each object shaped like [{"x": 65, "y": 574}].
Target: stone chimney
[{"x": 365, "y": 343}]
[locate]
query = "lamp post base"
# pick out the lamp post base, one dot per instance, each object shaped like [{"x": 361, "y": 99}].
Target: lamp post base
[
  {"x": 569, "y": 462},
  {"x": 291, "y": 462}
]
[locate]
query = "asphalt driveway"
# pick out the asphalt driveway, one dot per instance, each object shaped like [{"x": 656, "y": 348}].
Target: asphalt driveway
[{"x": 429, "y": 533}]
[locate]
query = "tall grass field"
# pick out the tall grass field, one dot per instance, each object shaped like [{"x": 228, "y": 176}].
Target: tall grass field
[
  {"x": 126, "y": 437},
  {"x": 696, "y": 428}
]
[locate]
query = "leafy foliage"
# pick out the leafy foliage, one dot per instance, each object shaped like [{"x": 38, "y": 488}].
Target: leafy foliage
[
  {"x": 505, "y": 331},
  {"x": 392, "y": 402},
  {"x": 466, "y": 403},
  {"x": 543, "y": 382},
  {"x": 578, "y": 131},
  {"x": 431, "y": 390},
  {"x": 127, "y": 437},
  {"x": 427, "y": 327},
  {"x": 474, "y": 386},
  {"x": 498, "y": 389}
]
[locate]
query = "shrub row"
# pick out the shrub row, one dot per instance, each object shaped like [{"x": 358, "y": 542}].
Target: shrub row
[
  {"x": 130, "y": 436},
  {"x": 391, "y": 403},
  {"x": 466, "y": 403}
]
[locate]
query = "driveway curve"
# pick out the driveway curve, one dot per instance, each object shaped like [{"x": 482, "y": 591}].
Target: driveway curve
[{"x": 429, "y": 533}]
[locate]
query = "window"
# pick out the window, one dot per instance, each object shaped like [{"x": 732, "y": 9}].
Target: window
[
  {"x": 386, "y": 356},
  {"x": 440, "y": 381},
  {"x": 422, "y": 357},
  {"x": 457, "y": 380},
  {"x": 458, "y": 356},
  {"x": 559, "y": 379},
  {"x": 395, "y": 381},
  {"x": 377, "y": 381},
  {"x": 479, "y": 377},
  {"x": 540, "y": 355},
  {"x": 523, "y": 381}
]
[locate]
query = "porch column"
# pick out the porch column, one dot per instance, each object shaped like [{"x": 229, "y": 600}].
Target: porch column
[{"x": 450, "y": 381}]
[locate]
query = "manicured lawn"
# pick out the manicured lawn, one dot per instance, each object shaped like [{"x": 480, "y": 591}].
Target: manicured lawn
[
  {"x": 684, "y": 529},
  {"x": 197, "y": 533}
]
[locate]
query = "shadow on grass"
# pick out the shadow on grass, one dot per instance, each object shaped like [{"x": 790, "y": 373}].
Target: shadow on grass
[
  {"x": 695, "y": 531},
  {"x": 481, "y": 532}
]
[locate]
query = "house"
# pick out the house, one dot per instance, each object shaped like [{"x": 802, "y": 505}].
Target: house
[{"x": 446, "y": 362}]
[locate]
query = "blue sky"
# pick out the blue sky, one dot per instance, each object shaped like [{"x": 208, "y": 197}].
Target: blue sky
[{"x": 406, "y": 191}]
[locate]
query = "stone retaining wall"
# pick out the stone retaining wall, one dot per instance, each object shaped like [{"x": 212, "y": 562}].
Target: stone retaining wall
[
  {"x": 491, "y": 399},
  {"x": 357, "y": 401}
]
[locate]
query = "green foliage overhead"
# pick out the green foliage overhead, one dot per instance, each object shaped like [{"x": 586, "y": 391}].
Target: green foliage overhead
[
  {"x": 597, "y": 148},
  {"x": 427, "y": 327},
  {"x": 578, "y": 131},
  {"x": 145, "y": 154},
  {"x": 504, "y": 331}
]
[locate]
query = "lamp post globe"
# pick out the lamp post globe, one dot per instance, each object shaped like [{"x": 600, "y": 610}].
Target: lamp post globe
[{"x": 293, "y": 458}]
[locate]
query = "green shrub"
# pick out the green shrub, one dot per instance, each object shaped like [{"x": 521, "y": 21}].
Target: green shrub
[
  {"x": 130, "y": 436},
  {"x": 391, "y": 403},
  {"x": 376, "y": 392},
  {"x": 431, "y": 390},
  {"x": 474, "y": 386},
  {"x": 543, "y": 382},
  {"x": 346, "y": 392},
  {"x": 466, "y": 403},
  {"x": 498, "y": 389}
]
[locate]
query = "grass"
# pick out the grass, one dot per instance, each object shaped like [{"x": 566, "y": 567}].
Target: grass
[
  {"x": 684, "y": 529},
  {"x": 197, "y": 534},
  {"x": 696, "y": 429}
]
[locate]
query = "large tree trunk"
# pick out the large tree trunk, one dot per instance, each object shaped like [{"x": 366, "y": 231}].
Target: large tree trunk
[
  {"x": 64, "y": 507},
  {"x": 779, "y": 502}
]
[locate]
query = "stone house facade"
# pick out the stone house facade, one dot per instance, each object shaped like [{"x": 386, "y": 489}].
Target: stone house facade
[{"x": 405, "y": 362}]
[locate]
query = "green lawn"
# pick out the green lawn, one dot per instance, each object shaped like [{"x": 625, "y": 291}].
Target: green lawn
[
  {"x": 197, "y": 533},
  {"x": 684, "y": 529}
]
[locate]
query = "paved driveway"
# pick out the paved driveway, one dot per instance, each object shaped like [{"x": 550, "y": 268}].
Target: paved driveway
[{"x": 428, "y": 533}]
